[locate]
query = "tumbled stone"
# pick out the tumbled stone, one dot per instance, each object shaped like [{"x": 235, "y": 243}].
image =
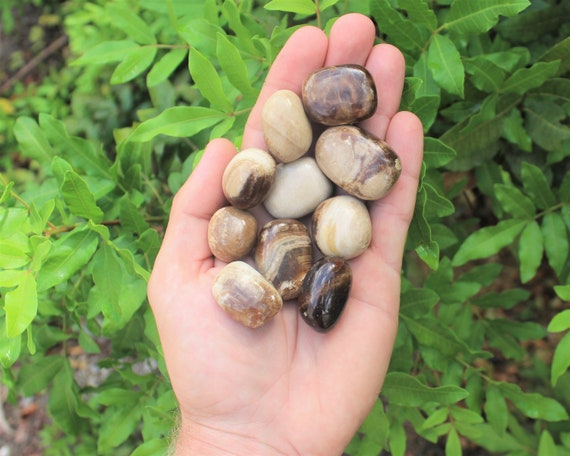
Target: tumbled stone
[
  {"x": 358, "y": 162},
  {"x": 341, "y": 226},
  {"x": 248, "y": 178},
  {"x": 298, "y": 188},
  {"x": 339, "y": 95},
  {"x": 246, "y": 295},
  {"x": 286, "y": 128},
  {"x": 232, "y": 233},
  {"x": 284, "y": 255},
  {"x": 325, "y": 292}
]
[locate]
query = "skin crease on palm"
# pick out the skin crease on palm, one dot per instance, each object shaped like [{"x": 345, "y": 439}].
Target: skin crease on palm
[{"x": 284, "y": 388}]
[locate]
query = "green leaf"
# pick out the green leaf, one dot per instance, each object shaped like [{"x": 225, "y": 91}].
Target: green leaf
[
  {"x": 304, "y": 7},
  {"x": 437, "y": 205},
  {"x": 534, "y": 405},
  {"x": 21, "y": 305},
  {"x": 130, "y": 23},
  {"x": 506, "y": 299},
  {"x": 485, "y": 75},
  {"x": 521, "y": 330},
  {"x": 563, "y": 292},
  {"x": 63, "y": 400},
  {"x": 208, "y": 81},
  {"x": 82, "y": 153},
  {"x": 436, "y": 418},
  {"x": 496, "y": 409},
  {"x": 435, "y": 334},
  {"x": 476, "y": 138},
  {"x": 130, "y": 216},
  {"x": 152, "y": 447},
  {"x": 525, "y": 79},
  {"x": 162, "y": 69},
  {"x": 546, "y": 445},
  {"x": 445, "y": 64},
  {"x": 419, "y": 12},
  {"x": 14, "y": 253},
  {"x": 106, "y": 52},
  {"x": 179, "y": 121},
  {"x": 118, "y": 291},
  {"x": 437, "y": 153},
  {"x": 531, "y": 250},
  {"x": 488, "y": 241},
  {"x": 67, "y": 256},
  {"x": 560, "y": 52},
  {"x": 515, "y": 132},
  {"x": 32, "y": 140},
  {"x": 37, "y": 375},
  {"x": 555, "y": 238},
  {"x": 404, "y": 389},
  {"x": 561, "y": 359},
  {"x": 426, "y": 108},
  {"x": 118, "y": 425},
  {"x": 10, "y": 347},
  {"x": 420, "y": 234},
  {"x": 452, "y": 444},
  {"x": 233, "y": 66},
  {"x": 403, "y": 32},
  {"x": 536, "y": 186},
  {"x": 79, "y": 198},
  {"x": 514, "y": 202},
  {"x": 133, "y": 64},
  {"x": 467, "y": 16},
  {"x": 545, "y": 124},
  {"x": 418, "y": 301}
]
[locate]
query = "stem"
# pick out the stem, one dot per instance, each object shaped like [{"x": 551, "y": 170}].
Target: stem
[
  {"x": 318, "y": 11},
  {"x": 549, "y": 210}
]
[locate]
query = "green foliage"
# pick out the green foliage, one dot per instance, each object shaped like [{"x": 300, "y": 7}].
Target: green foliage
[{"x": 104, "y": 145}]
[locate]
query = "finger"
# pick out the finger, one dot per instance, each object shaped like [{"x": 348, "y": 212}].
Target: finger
[
  {"x": 185, "y": 246},
  {"x": 391, "y": 215},
  {"x": 303, "y": 53},
  {"x": 387, "y": 66},
  {"x": 351, "y": 39}
]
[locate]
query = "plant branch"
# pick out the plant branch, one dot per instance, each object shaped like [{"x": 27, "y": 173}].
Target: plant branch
[{"x": 32, "y": 64}]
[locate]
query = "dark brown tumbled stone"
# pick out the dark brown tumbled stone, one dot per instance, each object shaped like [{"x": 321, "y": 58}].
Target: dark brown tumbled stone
[
  {"x": 284, "y": 255},
  {"x": 325, "y": 292},
  {"x": 339, "y": 95}
]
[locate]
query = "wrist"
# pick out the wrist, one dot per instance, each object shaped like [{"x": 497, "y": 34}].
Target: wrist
[{"x": 196, "y": 439}]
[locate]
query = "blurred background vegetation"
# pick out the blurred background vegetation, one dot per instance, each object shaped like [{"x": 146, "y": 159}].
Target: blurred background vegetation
[{"x": 105, "y": 107}]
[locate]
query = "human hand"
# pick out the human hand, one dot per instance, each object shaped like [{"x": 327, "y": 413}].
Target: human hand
[{"x": 284, "y": 388}]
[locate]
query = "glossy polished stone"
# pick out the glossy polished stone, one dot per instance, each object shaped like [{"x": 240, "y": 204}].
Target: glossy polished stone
[
  {"x": 232, "y": 233},
  {"x": 339, "y": 95},
  {"x": 248, "y": 177},
  {"x": 246, "y": 295},
  {"x": 341, "y": 226},
  {"x": 358, "y": 162},
  {"x": 298, "y": 188},
  {"x": 284, "y": 255},
  {"x": 286, "y": 128},
  {"x": 325, "y": 292}
]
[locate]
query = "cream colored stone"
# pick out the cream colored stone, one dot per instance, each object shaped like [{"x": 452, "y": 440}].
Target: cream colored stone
[
  {"x": 341, "y": 226},
  {"x": 286, "y": 128},
  {"x": 298, "y": 188}
]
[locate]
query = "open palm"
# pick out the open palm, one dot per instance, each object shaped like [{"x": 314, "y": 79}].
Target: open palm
[{"x": 284, "y": 388}]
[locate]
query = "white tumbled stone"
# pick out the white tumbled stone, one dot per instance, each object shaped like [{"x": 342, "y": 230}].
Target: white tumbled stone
[{"x": 298, "y": 188}]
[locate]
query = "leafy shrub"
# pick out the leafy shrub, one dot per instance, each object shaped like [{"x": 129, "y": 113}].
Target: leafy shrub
[{"x": 483, "y": 347}]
